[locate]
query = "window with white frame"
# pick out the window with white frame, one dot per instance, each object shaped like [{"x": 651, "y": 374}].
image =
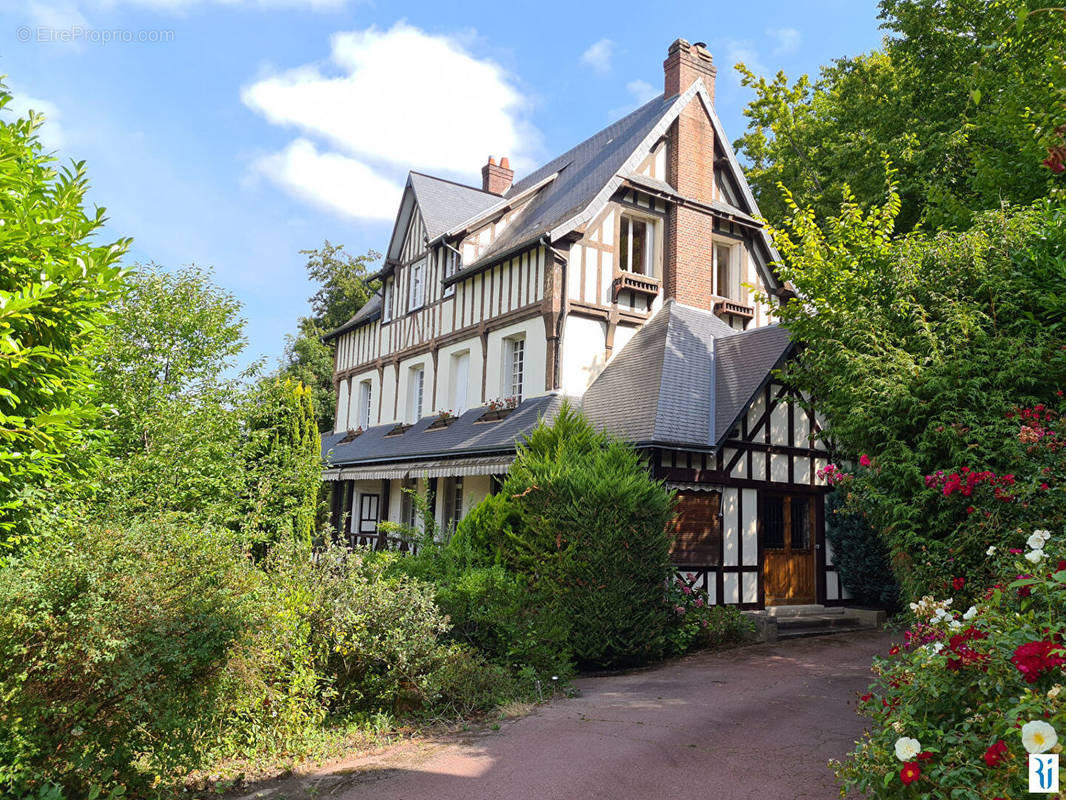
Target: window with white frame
[
  {"x": 365, "y": 396},
  {"x": 514, "y": 358},
  {"x": 636, "y": 245},
  {"x": 727, "y": 270},
  {"x": 451, "y": 266},
  {"x": 416, "y": 296},
  {"x": 416, "y": 380},
  {"x": 386, "y": 301},
  {"x": 460, "y": 379}
]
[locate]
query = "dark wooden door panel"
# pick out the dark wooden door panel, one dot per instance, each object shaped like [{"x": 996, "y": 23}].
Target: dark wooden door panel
[
  {"x": 696, "y": 531},
  {"x": 786, "y": 524}
]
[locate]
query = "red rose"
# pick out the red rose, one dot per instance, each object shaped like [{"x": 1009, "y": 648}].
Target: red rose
[
  {"x": 1035, "y": 658},
  {"x": 996, "y": 753},
  {"x": 910, "y": 773},
  {"x": 925, "y": 755},
  {"x": 894, "y": 649},
  {"x": 958, "y": 583},
  {"x": 864, "y": 460},
  {"x": 865, "y": 698}
]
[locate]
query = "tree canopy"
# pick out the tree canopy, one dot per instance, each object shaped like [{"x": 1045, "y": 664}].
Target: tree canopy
[
  {"x": 966, "y": 97},
  {"x": 56, "y": 280}
]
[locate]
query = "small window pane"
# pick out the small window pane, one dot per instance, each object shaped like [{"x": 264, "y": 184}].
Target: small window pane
[
  {"x": 801, "y": 523},
  {"x": 640, "y": 247},
  {"x": 724, "y": 256},
  {"x": 773, "y": 523}
]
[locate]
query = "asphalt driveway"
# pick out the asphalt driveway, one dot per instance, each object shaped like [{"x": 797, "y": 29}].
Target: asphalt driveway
[{"x": 753, "y": 722}]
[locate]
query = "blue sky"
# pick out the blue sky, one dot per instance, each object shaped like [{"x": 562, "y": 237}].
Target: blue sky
[{"x": 235, "y": 133}]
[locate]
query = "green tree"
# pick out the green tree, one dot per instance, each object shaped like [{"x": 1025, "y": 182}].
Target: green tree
[
  {"x": 580, "y": 516},
  {"x": 917, "y": 347},
  {"x": 168, "y": 371},
  {"x": 343, "y": 290},
  {"x": 55, "y": 283},
  {"x": 965, "y": 97},
  {"x": 282, "y": 463}
]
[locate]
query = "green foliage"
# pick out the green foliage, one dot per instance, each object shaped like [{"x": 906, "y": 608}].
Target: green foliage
[
  {"x": 964, "y": 97},
  {"x": 55, "y": 283},
  {"x": 166, "y": 370},
  {"x": 588, "y": 529},
  {"x": 957, "y": 686},
  {"x": 112, "y": 643},
  {"x": 860, "y": 556},
  {"x": 694, "y": 623},
  {"x": 282, "y": 454},
  {"x": 917, "y": 347},
  {"x": 342, "y": 290}
]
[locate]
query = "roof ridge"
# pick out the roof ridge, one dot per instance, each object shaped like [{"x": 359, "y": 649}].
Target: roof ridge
[{"x": 449, "y": 180}]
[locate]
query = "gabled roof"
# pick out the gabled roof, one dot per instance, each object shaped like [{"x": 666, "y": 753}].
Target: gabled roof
[
  {"x": 465, "y": 436},
  {"x": 445, "y": 204},
  {"x": 743, "y": 366},
  {"x": 683, "y": 379}
]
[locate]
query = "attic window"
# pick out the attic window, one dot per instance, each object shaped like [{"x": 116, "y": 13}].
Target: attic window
[
  {"x": 452, "y": 264},
  {"x": 636, "y": 245}
]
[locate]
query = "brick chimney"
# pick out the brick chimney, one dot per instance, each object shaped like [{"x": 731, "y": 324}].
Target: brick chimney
[
  {"x": 496, "y": 178},
  {"x": 690, "y": 169},
  {"x": 684, "y": 64}
]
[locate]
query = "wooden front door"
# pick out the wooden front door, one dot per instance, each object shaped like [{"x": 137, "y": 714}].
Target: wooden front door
[{"x": 787, "y": 528}]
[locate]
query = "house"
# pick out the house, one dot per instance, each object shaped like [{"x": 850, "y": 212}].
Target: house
[{"x": 631, "y": 274}]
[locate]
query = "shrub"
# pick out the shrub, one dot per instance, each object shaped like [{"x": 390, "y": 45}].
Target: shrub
[
  {"x": 695, "y": 624},
  {"x": 579, "y": 516},
  {"x": 860, "y": 556},
  {"x": 952, "y": 709},
  {"x": 112, "y": 644}
]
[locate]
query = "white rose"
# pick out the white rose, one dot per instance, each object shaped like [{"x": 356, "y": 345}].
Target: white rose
[
  {"x": 991, "y": 551},
  {"x": 1035, "y": 556},
  {"x": 1036, "y": 541},
  {"x": 936, "y": 647},
  {"x": 1043, "y": 534},
  {"x": 907, "y": 748},
  {"x": 971, "y": 612},
  {"x": 954, "y": 624},
  {"x": 1037, "y": 737}
]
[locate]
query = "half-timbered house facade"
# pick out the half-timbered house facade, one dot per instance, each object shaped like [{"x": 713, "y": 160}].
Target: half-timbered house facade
[{"x": 630, "y": 275}]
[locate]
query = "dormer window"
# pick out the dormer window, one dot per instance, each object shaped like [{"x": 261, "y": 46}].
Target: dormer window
[
  {"x": 416, "y": 296},
  {"x": 386, "y": 301},
  {"x": 452, "y": 264},
  {"x": 637, "y": 251},
  {"x": 727, "y": 271}
]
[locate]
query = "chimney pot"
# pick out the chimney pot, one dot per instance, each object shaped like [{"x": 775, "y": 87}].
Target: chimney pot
[
  {"x": 685, "y": 64},
  {"x": 496, "y": 178}
]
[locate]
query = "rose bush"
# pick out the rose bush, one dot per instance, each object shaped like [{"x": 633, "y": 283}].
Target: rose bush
[{"x": 958, "y": 705}]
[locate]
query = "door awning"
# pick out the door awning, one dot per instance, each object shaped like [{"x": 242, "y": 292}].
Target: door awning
[{"x": 441, "y": 468}]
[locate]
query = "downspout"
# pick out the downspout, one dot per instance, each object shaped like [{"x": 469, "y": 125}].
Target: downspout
[{"x": 564, "y": 294}]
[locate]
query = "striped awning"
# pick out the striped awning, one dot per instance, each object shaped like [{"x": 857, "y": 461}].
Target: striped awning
[{"x": 441, "y": 468}]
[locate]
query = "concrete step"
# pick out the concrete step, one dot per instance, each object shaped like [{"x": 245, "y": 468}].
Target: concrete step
[
  {"x": 802, "y": 610},
  {"x": 813, "y": 621}
]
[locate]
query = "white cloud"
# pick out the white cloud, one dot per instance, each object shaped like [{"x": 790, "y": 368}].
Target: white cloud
[
  {"x": 51, "y": 132},
  {"x": 58, "y": 15},
  {"x": 641, "y": 92},
  {"x": 331, "y": 181},
  {"x": 743, "y": 51},
  {"x": 598, "y": 56},
  {"x": 403, "y": 99},
  {"x": 787, "y": 40}
]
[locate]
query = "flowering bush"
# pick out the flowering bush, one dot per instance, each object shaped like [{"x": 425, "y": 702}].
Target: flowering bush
[
  {"x": 695, "y": 623},
  {"x": 959, "y": 703}
]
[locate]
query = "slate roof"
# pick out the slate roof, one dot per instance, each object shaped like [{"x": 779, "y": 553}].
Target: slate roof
[
  {"x": 583, "y": 171},
  {"x": 683, "y": 378},
  {"x": 370, "y": 311},
  {"x": 445, "y": 204},
  {"x": 743, "y": 365},
  {"x": 465, "y": 436}
]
